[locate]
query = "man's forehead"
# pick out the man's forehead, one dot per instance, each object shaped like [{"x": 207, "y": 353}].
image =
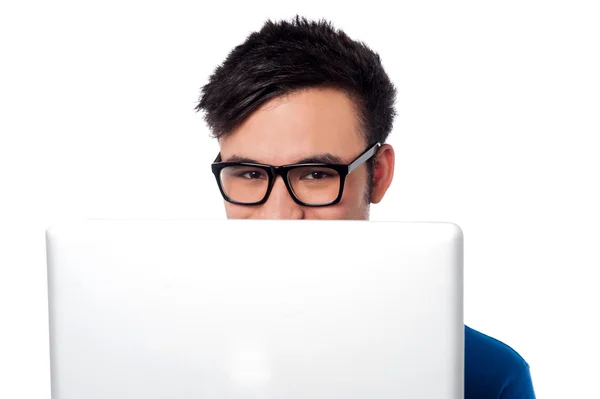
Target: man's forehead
[{"x": 309, "y": 123}]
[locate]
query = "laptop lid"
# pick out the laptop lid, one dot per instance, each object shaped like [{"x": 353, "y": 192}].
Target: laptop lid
[{"x": 255, "y": 309}]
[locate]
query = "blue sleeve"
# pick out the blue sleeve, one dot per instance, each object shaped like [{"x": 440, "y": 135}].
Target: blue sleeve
[{"x": 520, "y": 388}]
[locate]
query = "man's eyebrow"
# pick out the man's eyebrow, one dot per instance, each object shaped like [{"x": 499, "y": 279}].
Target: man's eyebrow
[
  {"x": 321, "y": 158},
  {"x": 240, "y": 159},
  {"x": 317, "y": 158}
]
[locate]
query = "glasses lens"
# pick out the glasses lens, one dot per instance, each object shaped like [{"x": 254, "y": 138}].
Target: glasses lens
[
  {"x": 315, "y": 185},
  {"x": 244, "y": 184}
]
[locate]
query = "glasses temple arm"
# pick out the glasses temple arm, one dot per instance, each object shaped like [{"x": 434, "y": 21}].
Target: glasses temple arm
[{"x": 364, "y": 157}]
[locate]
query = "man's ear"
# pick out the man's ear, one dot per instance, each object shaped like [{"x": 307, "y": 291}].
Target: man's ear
[{"x": 383, "y": 172}]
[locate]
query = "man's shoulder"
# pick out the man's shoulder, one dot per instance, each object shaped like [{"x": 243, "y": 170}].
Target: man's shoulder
[
  {"x": 490, "y": 365},
  {"x": 483, "y": 348}
]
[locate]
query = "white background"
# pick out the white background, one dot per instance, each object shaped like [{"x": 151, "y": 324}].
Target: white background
[{"x": 498, "y": 128}]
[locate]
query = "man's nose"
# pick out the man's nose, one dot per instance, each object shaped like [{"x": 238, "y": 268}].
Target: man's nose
[{"x": 280, "y": 204}]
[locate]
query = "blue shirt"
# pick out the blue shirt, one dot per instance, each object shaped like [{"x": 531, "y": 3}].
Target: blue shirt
[{"x": 493, "y": 370}]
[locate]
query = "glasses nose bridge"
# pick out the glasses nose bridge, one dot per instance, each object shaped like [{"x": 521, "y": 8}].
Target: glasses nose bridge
[
  {"x": 283, "y": 172},
  {"x": 279, "y": 171}
]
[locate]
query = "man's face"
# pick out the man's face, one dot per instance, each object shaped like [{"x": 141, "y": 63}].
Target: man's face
[{"x": 306, "y": 124}]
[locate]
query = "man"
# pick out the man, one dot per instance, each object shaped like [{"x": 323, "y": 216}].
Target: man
[{"x": 303, "y": 95}]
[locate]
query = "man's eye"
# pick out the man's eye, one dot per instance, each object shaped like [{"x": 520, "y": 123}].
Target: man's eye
[
  {"x": 316, "y": 175},
  {"x": 252, "y": 175}
]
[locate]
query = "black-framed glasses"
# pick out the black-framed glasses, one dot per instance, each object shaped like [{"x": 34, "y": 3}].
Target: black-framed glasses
[{"x": 309, "y": 184}]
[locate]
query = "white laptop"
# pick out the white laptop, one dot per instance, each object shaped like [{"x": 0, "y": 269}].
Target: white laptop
[{"x": 193, "y": 309}]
